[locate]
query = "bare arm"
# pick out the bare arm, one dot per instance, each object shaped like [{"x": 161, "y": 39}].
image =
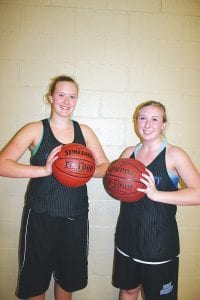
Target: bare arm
[
  {"x": 24, "y": 139},
  {"x": 190, "y": 195},
  {"x": 94, "y": 145},
  {"x": 127, "y": 152}
]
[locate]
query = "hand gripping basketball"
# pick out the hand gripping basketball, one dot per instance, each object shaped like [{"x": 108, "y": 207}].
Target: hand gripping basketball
[
  {"x": 123, "y": 178},
  {"x": 74, "y": 166}
]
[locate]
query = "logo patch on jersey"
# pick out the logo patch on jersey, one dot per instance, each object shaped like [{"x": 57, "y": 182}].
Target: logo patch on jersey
[
  {"x": 157, "y": 180},
  {"x": 166, "y": 288}
]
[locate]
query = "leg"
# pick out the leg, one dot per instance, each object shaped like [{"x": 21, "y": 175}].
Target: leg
[
  {"x": 60, "y": 294},
  {"x": 126, "y": 276},
  {"x": 129, "y": 294},
  {"x": 40, "y": 297},
  {"x": 71, "y": 257},
  {"x": 36, "y": 257},
  {"x": 161, "y": 281}
]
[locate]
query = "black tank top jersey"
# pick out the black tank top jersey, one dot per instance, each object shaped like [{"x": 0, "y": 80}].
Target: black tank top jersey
[
  {"x": 147, "y": 230},
  {"x": 46, "y": 194}
]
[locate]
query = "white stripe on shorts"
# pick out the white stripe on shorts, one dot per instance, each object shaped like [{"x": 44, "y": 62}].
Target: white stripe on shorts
[
  {"x": 25, "y": 236},
  {"x": 144, "y": 261}
]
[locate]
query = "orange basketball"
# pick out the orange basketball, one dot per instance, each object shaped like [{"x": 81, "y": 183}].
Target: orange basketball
[
  {"x": 123, "y": 178},
  {"x": 74, "y": 166}
]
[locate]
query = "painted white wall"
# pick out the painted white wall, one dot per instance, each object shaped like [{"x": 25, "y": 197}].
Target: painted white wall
[{"x": 121, "y": 52}]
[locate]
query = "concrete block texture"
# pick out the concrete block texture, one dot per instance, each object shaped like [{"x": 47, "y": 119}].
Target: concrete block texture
[{"x": 121, "y": 52}]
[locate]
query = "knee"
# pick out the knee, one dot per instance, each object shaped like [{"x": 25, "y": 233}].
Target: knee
[{"x": 133, "y": 292}]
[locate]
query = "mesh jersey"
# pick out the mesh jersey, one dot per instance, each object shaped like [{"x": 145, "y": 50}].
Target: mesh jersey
[
  {"x": 46, "y": 194},
  {"x": 147, "y": 230}
]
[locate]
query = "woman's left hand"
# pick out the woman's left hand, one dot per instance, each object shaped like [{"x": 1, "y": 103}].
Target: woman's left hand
[{"x": 149, "y": 182}]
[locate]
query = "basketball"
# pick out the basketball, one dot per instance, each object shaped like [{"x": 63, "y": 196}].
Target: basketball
[
  {"x": 123, "y": 178},
  {"x": 74, "y": 166}
]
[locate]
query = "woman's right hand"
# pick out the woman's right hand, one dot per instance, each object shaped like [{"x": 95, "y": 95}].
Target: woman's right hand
[{"x": 50, "y": 160}]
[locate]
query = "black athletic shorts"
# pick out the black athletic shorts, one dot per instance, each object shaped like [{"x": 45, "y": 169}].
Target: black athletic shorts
[
  {"x": 159, "y": 281},
  {"x": 52, "y": 245}
]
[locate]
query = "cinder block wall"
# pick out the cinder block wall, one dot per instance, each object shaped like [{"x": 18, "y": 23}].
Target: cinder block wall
[{"x": 121, "y": 52}]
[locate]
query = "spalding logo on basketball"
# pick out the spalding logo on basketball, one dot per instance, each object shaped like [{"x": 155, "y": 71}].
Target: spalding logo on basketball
[
  {"x": 74, "y": 166},
  {"x": 123, "y": 178}
]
